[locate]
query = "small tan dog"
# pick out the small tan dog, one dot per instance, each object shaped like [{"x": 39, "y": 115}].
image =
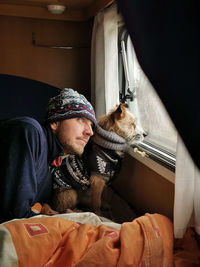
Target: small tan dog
[{"x": 99, "y": 164}]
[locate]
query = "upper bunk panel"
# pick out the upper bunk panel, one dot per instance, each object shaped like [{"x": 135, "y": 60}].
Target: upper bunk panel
[
  {"x": 24, "y": 97},
  {"x": 76, "y": 10}
]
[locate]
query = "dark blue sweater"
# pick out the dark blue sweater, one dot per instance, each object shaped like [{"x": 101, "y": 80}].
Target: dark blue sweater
[{"x": 26, "y": 151}]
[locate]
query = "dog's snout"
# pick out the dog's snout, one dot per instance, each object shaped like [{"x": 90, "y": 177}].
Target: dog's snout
[
  {"x": 138, "y": 137},
  {"x": 145, "y": 134},
  {"x": 139, "y": 130}
]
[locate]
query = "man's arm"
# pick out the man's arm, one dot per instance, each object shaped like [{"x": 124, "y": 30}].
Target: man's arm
[{"x": 20, "y": 156}]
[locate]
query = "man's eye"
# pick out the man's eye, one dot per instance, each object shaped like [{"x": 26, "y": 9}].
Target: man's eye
[{"x": 81, "y": 119}]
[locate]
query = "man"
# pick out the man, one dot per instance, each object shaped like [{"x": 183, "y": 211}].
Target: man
[{"x": 27, "y": 149}]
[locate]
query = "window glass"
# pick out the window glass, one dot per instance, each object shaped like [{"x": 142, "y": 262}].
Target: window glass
[{"x": 146, "y": 106}]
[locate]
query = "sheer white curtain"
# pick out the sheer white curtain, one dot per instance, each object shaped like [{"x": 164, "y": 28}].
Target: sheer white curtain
[
  {"x": 104, "y": 61},
  {"x": 187, "y": 192}
]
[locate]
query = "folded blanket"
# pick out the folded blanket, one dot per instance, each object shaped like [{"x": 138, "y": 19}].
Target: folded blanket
[{"x": 54, "y": 241}]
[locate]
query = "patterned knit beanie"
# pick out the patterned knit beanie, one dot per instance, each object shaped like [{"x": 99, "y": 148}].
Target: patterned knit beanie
[{"x": 69, "y": 104}]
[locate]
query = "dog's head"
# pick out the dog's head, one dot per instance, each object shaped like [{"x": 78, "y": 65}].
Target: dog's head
[{"x": 121, "y": 121}]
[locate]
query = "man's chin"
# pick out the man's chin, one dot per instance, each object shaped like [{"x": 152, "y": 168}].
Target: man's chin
[{"x": 75, "y": 151}]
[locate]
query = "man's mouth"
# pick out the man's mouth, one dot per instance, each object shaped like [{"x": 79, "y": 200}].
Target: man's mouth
[{"x": 83, "y": 140}]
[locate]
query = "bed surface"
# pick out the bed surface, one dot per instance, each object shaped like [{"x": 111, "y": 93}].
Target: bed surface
[{"x": 84, "y": 239}]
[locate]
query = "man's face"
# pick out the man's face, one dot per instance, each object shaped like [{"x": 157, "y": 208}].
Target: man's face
[{"x": 73, "y": 134}]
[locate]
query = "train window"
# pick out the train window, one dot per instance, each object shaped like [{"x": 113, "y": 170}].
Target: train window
[
  {"x": 116, "y": 76},
  {"x": 151, "y": 115}
]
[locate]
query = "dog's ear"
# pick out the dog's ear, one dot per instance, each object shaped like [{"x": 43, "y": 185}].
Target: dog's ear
[
  {"x": 124, "y": 105},
  {"x": 119, "y": 113}
]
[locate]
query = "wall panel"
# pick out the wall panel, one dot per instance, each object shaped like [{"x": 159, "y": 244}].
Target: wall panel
[
  {"x": 60, "y": 68},
  {"x": 144, "y": 189}
]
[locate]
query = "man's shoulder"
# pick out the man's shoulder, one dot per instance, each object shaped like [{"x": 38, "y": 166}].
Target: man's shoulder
[{"x": 27, "y": 123}]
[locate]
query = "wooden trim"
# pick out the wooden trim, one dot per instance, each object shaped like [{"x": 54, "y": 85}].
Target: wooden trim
[
  {"x": 98, "y": 6},
  {"x": 41, "y": 12}
]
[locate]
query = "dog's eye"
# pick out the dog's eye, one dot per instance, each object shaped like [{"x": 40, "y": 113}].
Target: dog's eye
[{"x": 133, "y": 124}]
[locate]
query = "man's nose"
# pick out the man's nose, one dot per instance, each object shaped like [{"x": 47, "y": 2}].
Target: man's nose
[{"x": 89, "y": 130}]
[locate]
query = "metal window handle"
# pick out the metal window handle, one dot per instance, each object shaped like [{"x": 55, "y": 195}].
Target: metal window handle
[
  {"x": 131, "y": 93},
  {"x": 141, "y": 153}
]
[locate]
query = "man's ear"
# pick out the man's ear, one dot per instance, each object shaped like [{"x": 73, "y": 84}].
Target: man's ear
[{"x": 54, "y": 126}]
